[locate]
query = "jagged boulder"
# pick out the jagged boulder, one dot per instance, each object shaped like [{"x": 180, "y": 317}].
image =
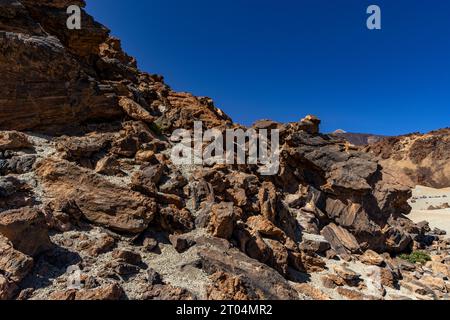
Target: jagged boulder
[
  {"x": 97, "y": 199},
  {"x": 26, "y": 229}
]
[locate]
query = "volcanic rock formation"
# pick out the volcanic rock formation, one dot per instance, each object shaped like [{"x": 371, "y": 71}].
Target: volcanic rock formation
[
  {"x": 420, "y": 159},
  {"x": 86, "y": 180}
]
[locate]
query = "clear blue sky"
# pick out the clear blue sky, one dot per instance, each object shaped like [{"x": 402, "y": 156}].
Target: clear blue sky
[{"x": 281, "y": 60}]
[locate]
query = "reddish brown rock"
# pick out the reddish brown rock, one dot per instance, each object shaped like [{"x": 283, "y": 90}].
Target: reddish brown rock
[
  {"x": 104, "y": 293},
  {"x": 168, "y": 292},
  {"x": 102, "y": 245},
  {"x": 7, "y": 289},
  {"x": 228, "y": 287},
  {"x": 371, "y": 258},
  {"x": 11, "y": 140},
  {"x": 185, "y": 109},
  {"x": 174, "y": 220},
  {"x": 314, "y": 243},
  {"x": 108, "y": 166},
  {"x": 311, "y": 292},
  {"x": 222, "y": 220},
  {"x": 14, "y": 265},
  {"x": 181, "y": 243},
  {"x": 100, "y": 201},
  {"x": 26, "y": 229},
  {"x": 310, "y": 124},
  {"x": 348, "y": 276},
  {"x": 342, "y": 241},
  {"x": 351, "y": 294},
  {"x": 268, "y": 201},
  {"x": 260, "y": 281},
  {"x": 127, "y": 256},
  {"x": 135, "y": 111},
  {"x": 409, "y": 157}
]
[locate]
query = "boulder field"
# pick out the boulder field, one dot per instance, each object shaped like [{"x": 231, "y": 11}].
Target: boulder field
[{"x": 86, "y": 181}]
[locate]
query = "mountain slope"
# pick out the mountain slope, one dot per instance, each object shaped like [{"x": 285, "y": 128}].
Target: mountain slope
[
  {"x": 87, "y": 184},
  {"x": 422, "y": 159}
]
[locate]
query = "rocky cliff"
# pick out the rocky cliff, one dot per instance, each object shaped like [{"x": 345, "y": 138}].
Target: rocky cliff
[
  {"x": 86, "y": 181},
  {"x": 420, "y": 159}
]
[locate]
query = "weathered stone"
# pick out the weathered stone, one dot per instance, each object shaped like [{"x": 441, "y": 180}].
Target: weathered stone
[
  {"x": 311, "y": 292},
  {"x": 168, "y": 292},
  {"x": 439, "y": 268},
  {"x": 11, "y": 140},
  {"x": 174, "y": 220},
  {"x": 7, "y": 288},
  {"x": 314, "y": 243},
  {"x": 310, "y": 124},
  {"x": 135, "y": 111},
  {"x": 27, "y": 230},
  {"x": 14, "y": 265},
  {"x": 349, "y": 277},
  {"x": 260, "y": 281},
  {"x": 105, "y": 293},
  {"x": 102, "y": 245},
  {"x": 100, "y": 201},
  {"x": 127, "y": 256},
  {"x": 146, "y": 179},
  {"x": 181, "y": 243},
  {"x": 15, "y": 193},
  {"x": 342, "y": 241},
  {"x": 108, "y": 166},
  {"x": 355, "y": 295},
  {"x": 268, "y": 201},
  {"x": 371, "y": 258},
  {"x": 222, "y": 220},
  {"x": 434, "y": 283}
]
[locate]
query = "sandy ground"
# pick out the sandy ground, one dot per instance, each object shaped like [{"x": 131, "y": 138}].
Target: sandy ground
[{"x": 423, "y": 199}]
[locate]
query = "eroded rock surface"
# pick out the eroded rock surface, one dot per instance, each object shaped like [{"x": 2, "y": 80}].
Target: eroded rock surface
[{"x": 86, "y": 182}]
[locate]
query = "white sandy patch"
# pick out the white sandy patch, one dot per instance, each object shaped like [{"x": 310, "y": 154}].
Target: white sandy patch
[{"x": 424, "y": 198}]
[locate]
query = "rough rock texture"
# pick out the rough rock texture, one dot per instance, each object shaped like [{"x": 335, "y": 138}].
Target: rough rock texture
[
  {"x": 418, "y": 159},
  {"x": 93, "y": 197},
  {"x": 26, "y": 228},
  {"x": 86, "y": 182}
]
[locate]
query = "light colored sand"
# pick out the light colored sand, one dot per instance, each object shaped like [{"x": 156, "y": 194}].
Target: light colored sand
[
  {"x": 423, "y": 198},
  {"x": 437, "y": 218}
]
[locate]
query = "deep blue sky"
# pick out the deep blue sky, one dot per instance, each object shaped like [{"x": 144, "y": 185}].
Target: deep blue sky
[{"x": 284, "y": 59}]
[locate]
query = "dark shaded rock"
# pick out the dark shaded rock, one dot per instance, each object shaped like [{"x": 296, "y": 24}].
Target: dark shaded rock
[
  {"x": 260, "y": 281},
  {"x": 100, "y": 201},
  {"x": 26, "y": 228},
  {"x": 182, "y": 243}
]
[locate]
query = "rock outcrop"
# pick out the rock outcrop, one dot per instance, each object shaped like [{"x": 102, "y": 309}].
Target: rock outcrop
[
  {"x": 418, "y": 159},
  {"x": 86, "y": 180}
]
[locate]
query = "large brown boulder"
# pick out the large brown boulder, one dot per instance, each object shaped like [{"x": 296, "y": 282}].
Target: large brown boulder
[
  {"x": 11, "y": 140},
  {"x": 99, "y": 200},
  {"x": 250, "y": 279},
  {"x": 26, "y": 229},
  {"x": 14, "y": 266}
]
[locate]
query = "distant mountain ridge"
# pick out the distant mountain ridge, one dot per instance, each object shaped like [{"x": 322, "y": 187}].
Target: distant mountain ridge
[{"x": 359, "y": 139}]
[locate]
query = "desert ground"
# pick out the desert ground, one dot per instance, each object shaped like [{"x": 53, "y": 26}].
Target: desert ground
[{"x": 431, "y": 205}]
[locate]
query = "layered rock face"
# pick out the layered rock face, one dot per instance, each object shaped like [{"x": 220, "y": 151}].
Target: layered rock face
[
  {"x": 420, "y": 159},
  {"x": 86, "y": 180}
]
